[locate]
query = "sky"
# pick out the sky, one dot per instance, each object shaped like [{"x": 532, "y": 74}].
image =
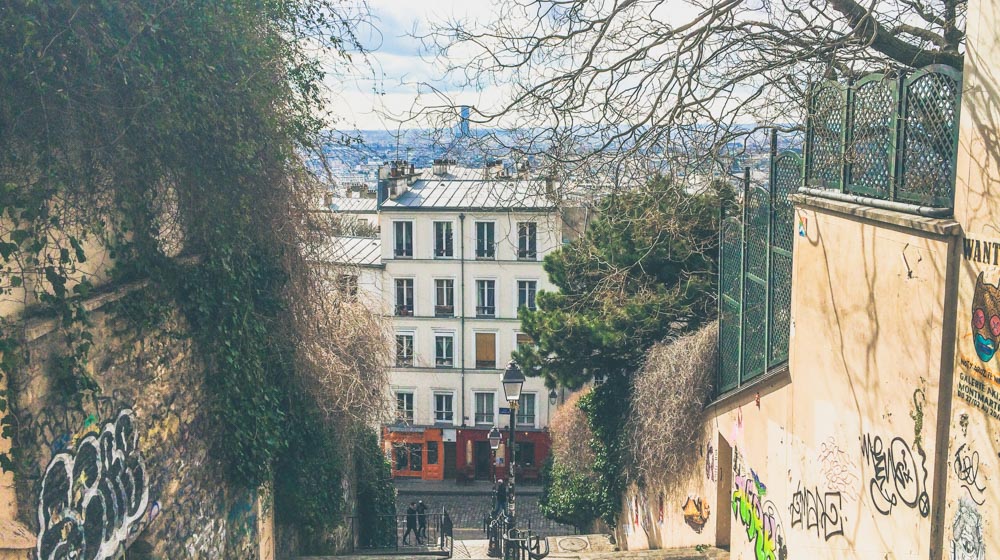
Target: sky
[{"x": 401, "y": 74}]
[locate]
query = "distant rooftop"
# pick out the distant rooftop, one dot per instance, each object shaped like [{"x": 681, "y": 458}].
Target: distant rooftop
[
  {"x": 468, "y": 189},
  {"x": 355, "y": 205},
  {"x": 360, "y": 251}
]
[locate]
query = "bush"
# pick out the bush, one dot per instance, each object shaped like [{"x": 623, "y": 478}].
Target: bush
[{"x": 568, "y": 495}]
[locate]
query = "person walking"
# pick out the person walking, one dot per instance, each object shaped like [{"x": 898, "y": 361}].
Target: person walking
[
  {"x": 411, "y": 524},
  {"x": 421, "y": 520},
  {"x": 501, "y": 497}
]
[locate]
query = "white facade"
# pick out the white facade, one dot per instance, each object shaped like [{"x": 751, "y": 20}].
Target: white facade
[{"x": 468, "y": 328}]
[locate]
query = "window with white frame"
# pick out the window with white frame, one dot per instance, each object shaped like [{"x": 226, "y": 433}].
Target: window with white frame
[
  {"x": 526, "y": 410},
  {"x": 526, "y": 293},
  {"x": 404, "y": 297},
  {"x": 486, "y": 304},
  {"x": 444, "y": 350},
  {"x": 484, "y": 408},
  {"x": 402, "y": 239},
  {"x": 444, "y": 298},
  {"x": 443, "y": 240},
  {"x": 404, "y": 406},
  {"x": 444, "y": 407},
  {"x": 404, "y": 349},
  {"x": 485, "y": 240},
  {"x": 527, "y": 241}
]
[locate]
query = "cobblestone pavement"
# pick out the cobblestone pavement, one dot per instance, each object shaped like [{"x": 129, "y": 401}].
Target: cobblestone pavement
[{"x": 467, "y": 509}]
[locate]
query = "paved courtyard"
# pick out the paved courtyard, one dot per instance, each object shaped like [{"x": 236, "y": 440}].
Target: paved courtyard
[{"x": 466, "y": 505}]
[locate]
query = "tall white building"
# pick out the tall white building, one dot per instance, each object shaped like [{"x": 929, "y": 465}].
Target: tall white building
[{"x": 461, "y": 253}]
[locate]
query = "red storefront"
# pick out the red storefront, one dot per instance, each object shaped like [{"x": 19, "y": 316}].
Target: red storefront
[
  {"x": 475, "y": 458},
  {"x": 461, "y": 453}
]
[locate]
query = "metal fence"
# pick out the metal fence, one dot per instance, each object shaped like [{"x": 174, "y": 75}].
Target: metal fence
[
  {"x": 888, "y": 138},
  {"x": 390, "y": 534},
  {"x": 755, "y": 276}
]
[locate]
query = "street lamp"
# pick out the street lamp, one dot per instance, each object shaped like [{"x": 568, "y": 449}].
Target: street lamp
[
  {"x": 512, "y": 381},
  {"x": 553, "y": 396},
  {"x": 494, "y": 437}
]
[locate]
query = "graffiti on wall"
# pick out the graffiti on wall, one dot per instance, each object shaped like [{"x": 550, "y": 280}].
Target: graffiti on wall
[
  {"x": 696, "y": 513},
  {"x": 838, "y": 469},
  {"x": 817, "y": 510},
  {"x": 967, "y": 532},
  {"x": 759, "y": 517},
  {"x": 900, "y": 476},
  {"x": 92, "y": 497},
  {"x": 709, "y": 462},
  {"x": 966, "y": 466}
]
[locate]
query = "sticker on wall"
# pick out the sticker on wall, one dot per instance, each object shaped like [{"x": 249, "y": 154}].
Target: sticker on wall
[
  {"x": 803, "y": 226},
  {"x": 979, "y": 326}
]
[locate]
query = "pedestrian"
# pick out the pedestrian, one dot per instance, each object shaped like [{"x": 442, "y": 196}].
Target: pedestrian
[
  {"x": 501, "y": 495},
  {"x": 421, "y": 520},
  {"x": 411, "y": 523}
]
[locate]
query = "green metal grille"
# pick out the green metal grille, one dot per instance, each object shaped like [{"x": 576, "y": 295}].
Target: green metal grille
[
  {"x": 886, "y": 138},
  {"x": 730, "y": 269},
  {"x": 930, "y": 132},
  {"x": 786, "y": 178},
  {"x": 754, "y": 347},
  {"x": 827, "y": 105},
  {"x": 871, "y": 146},
  {"x": 755, "y": 277}
]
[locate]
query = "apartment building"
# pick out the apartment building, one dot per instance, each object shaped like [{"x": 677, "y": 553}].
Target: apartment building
[{"x": 461, "y": 253}]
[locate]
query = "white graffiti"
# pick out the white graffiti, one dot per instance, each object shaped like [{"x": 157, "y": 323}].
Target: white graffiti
[
  {"x": 840, "y": 472},
  {"x": 967, "y": 533},
  {"x": 91, "y": 498}
]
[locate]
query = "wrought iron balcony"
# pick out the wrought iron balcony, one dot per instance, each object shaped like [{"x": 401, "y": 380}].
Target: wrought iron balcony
[
  {"x": 404, "y": 310},
  {"x": 486, "y": 311},
  {"x": 444, "y": 310}
]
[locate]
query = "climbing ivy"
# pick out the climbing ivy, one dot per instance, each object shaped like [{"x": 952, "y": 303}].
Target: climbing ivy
[{"x": 136, "y": 133}]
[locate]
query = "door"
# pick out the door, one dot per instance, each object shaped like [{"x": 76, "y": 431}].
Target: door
[
  {"x": 450, "y": 458},
  {"x": 482, "y": 454},
  {"x": 723, "y": 504}
]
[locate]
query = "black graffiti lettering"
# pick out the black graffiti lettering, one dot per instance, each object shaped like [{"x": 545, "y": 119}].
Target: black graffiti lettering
[
  {"x": 91, "y": 498},
  {"x": 966, "y": 466},
  {"x": 817, "y": 511},
  {"x": 898, "y": 478}
]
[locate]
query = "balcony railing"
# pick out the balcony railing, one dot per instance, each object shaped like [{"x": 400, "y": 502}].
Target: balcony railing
[
  {"x": 527, "y": 255},
  {"x": 444, "y": 310},
  {"x": 486, "y": 364},
  {"x": 526, "y": 419},
  {"x": 486, "y": 311},
  {"x": 484, "y": 418},
  {"x": 404, "y": 361},
  {"x": 887, "y": 138},
  {"x": 444, "y": 362},
  {"x": 404, "y": 310}
]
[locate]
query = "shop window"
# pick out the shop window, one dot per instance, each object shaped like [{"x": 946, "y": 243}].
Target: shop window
[{"x": 432, "y": 452}]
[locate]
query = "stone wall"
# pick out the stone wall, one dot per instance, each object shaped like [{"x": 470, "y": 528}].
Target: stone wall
[{"x": 131, "y": 467}]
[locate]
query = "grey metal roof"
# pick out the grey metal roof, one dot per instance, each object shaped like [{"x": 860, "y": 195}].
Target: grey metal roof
[
  {"x": 464, "y": 188},
  {"x": 361, "y": 251},
  {"x": 354, "y": 205}
]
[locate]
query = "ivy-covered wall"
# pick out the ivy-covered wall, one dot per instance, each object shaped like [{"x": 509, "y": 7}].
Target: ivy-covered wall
[{"x": 131, "y": 466}]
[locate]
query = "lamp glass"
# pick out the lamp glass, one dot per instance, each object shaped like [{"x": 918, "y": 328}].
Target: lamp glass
[
  {"x": 513, "y": 379},
  {"x": 553, "y": 396},
  {"x": 494, "y": 438}
]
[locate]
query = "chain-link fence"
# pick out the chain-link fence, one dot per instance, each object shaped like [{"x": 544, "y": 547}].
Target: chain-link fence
[
  {"x": 886, "y": 137},
  {"x": 755, "y": 276}
]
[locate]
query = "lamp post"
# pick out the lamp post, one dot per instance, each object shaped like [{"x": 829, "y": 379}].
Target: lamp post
[
  {"x": 494, "y": 438},
  {"x": 512, "y": 381},
  {"x": 553, "y": 396}
]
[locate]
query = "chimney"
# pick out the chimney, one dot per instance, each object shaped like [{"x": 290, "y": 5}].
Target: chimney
[
  {"x": 492, "y": 168},
  {"x": 442, "y": 166}
]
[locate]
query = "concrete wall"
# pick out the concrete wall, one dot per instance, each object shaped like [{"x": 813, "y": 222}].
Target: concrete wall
[
  {"x": 972, "y": 514},
  {"x": 151, "y": 482}
]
